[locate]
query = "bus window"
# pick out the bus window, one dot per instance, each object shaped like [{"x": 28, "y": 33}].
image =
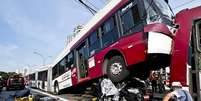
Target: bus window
[
  {"x": 62, "y": 66},
  {"x": 42, "y": 76},
  {"x": 45, "y": 75},
  {"x": 130, "y": 18},
  {"x": 199, "y": 35},
  {"x": 39, "y": 76},
  {"x": 69, "y": 62},
  {"x": 109, "y": 32},
  {"x": 94, "y": 43},
  {"x": 152, "y": 16},
  {"x": 109, "y": 25},
  {"x": 55, "y": 72}
]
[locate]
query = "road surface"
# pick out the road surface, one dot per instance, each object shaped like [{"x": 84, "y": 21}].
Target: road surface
[
  {"x": 39, "y": 95},
  {"x": 10, "y": 95},
  {"x": 65, "y": 97}
]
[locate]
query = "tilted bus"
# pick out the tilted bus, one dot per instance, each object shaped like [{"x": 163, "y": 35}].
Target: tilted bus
[{"x": 125, "y": 37}]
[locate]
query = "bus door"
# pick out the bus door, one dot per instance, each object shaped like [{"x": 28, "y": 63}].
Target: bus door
[
  {"x": 44, "y": 79},
  {"x": 81, "y": 60},
  {"x": 195, "y": 61}
]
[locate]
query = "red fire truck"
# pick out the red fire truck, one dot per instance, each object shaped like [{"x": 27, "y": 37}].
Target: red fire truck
[{"x": 186, "y": 53}]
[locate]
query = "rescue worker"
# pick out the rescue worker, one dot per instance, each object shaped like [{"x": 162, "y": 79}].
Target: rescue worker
[{"x": 178, "y": 94}]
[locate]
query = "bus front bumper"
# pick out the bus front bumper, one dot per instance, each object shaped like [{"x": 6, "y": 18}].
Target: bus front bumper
[{"x": 159, "y": 43}]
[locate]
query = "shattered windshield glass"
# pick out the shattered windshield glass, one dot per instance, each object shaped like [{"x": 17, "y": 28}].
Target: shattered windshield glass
[
  {"x": 158, "y": 11},
  {"x": 164, "y": 8}
]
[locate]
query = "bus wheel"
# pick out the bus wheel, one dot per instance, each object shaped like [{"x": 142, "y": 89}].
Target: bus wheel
[
  {"x": 56, "y": 88},
  {"x": 116, "y": 69}
]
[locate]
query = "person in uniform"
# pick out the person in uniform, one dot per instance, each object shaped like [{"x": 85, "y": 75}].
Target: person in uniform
[{"x": 178, "y": 94}]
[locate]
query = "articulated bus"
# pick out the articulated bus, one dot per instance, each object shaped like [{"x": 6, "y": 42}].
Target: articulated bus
[
  {"x": 42, "y": 78},
  {"x": 131, "y": 38},
  {"x": 126, "y": 37},
  {"x": 32, "y": 80}
]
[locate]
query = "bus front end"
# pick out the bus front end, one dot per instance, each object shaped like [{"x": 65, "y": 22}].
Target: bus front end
[{"x": 158, "y": 30}]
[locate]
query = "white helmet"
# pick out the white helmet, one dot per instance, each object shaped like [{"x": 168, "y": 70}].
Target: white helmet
[{"x": 176, "y": 84}]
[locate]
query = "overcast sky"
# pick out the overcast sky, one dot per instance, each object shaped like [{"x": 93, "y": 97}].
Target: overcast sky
[{"x": 28, "y": 26}]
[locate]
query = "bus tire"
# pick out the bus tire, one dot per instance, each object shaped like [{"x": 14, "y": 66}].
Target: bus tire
[
  {"x": 56, "y": 88},
  {"x": 116, "y": 69}
]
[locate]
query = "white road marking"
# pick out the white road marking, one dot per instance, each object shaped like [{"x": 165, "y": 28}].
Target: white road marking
[{"x": 50, "y": 95}]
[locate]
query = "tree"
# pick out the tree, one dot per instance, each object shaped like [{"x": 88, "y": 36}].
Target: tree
[{"x": 3, "y": 74}]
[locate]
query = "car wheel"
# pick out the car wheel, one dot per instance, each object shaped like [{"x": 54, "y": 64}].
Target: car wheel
[
  {"x": 56, "y": 88},
  {"x": 116, "y": 69}
]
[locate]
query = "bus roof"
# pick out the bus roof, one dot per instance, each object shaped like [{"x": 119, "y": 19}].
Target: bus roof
[
  {"x": 88, "y": 28},
  {"x": 43, "y": 68}
]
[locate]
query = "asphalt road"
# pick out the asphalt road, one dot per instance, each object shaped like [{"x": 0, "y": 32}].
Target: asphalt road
[
  {"x": 9, "y": 95},
  {"x": 65, "y": 97},
  {"x": 77, "y": 97},
  {"x": 6, "y": 95},
  {"x": 39, "y": 95}
]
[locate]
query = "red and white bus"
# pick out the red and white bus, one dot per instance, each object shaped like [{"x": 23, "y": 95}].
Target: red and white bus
[
  {"x": 133, "y": 37},
  {"x": 125, "y": 37}
]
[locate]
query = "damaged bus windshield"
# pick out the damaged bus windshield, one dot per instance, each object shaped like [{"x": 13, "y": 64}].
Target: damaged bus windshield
[{"x": 158, "y": 11}]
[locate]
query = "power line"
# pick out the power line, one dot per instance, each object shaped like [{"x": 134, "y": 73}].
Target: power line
[
  {"x": 183, "y": 4},
  {"x": 90, "y": 9},
  {"x": 92, "y": 5},
  {"x": 79, "y": 3},
  {"x": 87, "y": 6}
]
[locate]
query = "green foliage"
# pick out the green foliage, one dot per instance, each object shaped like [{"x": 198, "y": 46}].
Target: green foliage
[
  {"x": 6, "y": 75},
  {"x": 3, "y": 74}
]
